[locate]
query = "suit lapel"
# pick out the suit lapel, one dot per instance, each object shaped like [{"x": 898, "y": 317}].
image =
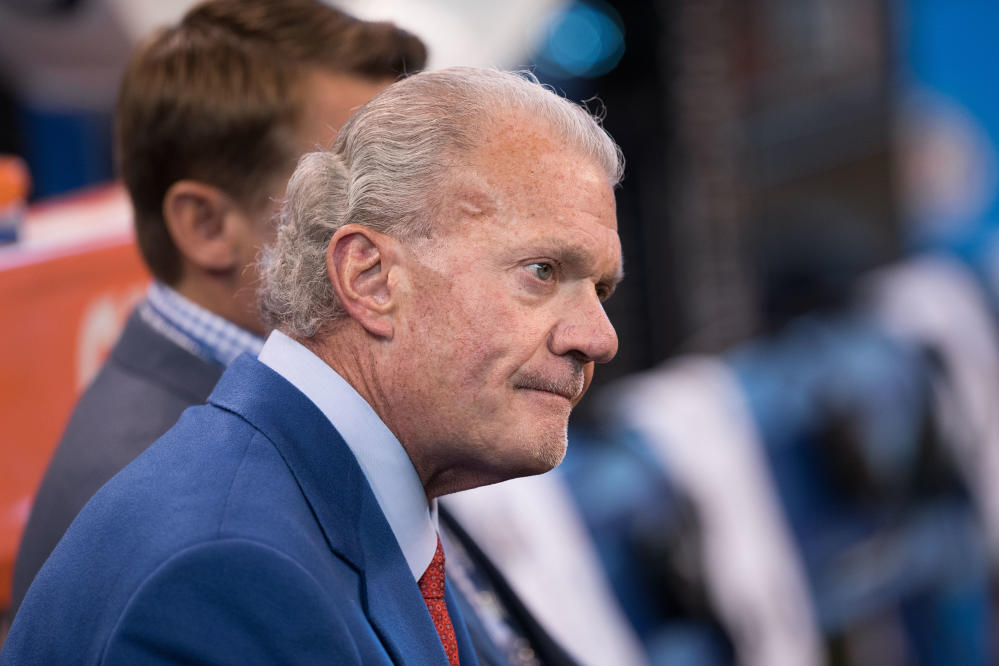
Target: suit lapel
[
  {"x": 344, "y": 505},
  {"x": 149, "y": 353},
  {"x": 394, "y": 604}
]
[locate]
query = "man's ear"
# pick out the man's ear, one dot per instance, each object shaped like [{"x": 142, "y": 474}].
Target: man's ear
[
  {"x": 360, "y": 263},
  {"x": 198, "y": 218}
]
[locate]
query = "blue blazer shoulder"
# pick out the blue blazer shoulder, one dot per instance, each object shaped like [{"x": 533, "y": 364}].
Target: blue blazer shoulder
[{"x": 247, "y": 534}]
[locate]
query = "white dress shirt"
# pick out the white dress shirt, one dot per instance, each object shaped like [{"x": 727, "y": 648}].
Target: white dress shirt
[{"x": 385, "y": 464}]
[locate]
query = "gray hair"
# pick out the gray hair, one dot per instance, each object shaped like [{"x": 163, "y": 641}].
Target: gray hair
[{"x": 385, "y": 168}]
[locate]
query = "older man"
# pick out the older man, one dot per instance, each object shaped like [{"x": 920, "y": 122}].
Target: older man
[
  {"x": 213, "y": 113},
  {"x": 436, "y": 288}
]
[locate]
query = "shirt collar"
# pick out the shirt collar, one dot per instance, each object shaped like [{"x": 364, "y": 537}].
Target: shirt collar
[
  {"x": 194, "y": 328},
  {"x": 384, "y": 461}
]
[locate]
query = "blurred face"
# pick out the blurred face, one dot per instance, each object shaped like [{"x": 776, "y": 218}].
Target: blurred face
[
  {"x": 506, "y": 308},
  {"x": 329, "y": 100}
]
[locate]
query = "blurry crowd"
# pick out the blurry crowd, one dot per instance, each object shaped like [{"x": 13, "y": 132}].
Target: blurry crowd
[{"x": 823, "y": 492}]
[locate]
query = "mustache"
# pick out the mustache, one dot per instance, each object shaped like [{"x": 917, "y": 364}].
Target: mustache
[{"x": 569, "y": 386}]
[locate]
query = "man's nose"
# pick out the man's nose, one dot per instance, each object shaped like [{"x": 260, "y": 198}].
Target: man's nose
[{"x": 585, "y": 333}]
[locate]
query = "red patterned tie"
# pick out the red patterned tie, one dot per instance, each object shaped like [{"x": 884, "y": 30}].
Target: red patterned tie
[{"x": 432, "y": 587}]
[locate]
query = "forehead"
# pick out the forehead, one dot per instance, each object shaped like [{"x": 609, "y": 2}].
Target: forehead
[
  {"x": 522, "y": 171},
  {"x": 524, "y": 195}
]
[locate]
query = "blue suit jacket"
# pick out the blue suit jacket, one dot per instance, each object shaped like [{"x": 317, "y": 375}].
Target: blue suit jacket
[
  {"x": 139, "y": 394},
  {"x": 245, "y": 535}
]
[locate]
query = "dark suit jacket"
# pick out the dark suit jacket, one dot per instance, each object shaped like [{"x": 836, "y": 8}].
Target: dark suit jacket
[
  {"x": 135, "y": 398},
  {"x": 247, "y": 534}
]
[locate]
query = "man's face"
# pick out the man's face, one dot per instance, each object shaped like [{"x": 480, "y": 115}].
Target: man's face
[
  {"x": 507, "y": 307},
  {"x": 328, "y": 101}
]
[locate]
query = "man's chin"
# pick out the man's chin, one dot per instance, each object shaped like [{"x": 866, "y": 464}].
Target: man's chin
[
  {"x": 542, "y": 455},
  {"x": 520, "y": 451}
]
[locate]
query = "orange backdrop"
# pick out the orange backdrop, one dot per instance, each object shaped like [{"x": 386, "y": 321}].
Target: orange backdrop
[{"x": 63, "y": 301}]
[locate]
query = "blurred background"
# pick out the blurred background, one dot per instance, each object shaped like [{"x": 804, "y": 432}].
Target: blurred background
[{"x": 794, "y": 457}]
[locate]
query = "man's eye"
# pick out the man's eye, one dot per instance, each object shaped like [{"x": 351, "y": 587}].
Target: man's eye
[{"x": 542, "y": 271}]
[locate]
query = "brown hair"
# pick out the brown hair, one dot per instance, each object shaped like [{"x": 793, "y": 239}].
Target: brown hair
[{"x": 217, "y": 98}]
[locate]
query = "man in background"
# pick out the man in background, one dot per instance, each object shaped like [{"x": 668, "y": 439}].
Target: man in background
[
  {"x": 436, "y": 289},
  {"x": 212, "y": 116}
]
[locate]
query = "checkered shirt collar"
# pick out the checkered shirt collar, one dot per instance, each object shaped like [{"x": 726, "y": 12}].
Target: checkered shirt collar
[{"x": 194, "y": 328}]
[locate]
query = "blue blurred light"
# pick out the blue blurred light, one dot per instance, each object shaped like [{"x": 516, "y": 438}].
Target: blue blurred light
[{"x": 585, "y": 39}]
